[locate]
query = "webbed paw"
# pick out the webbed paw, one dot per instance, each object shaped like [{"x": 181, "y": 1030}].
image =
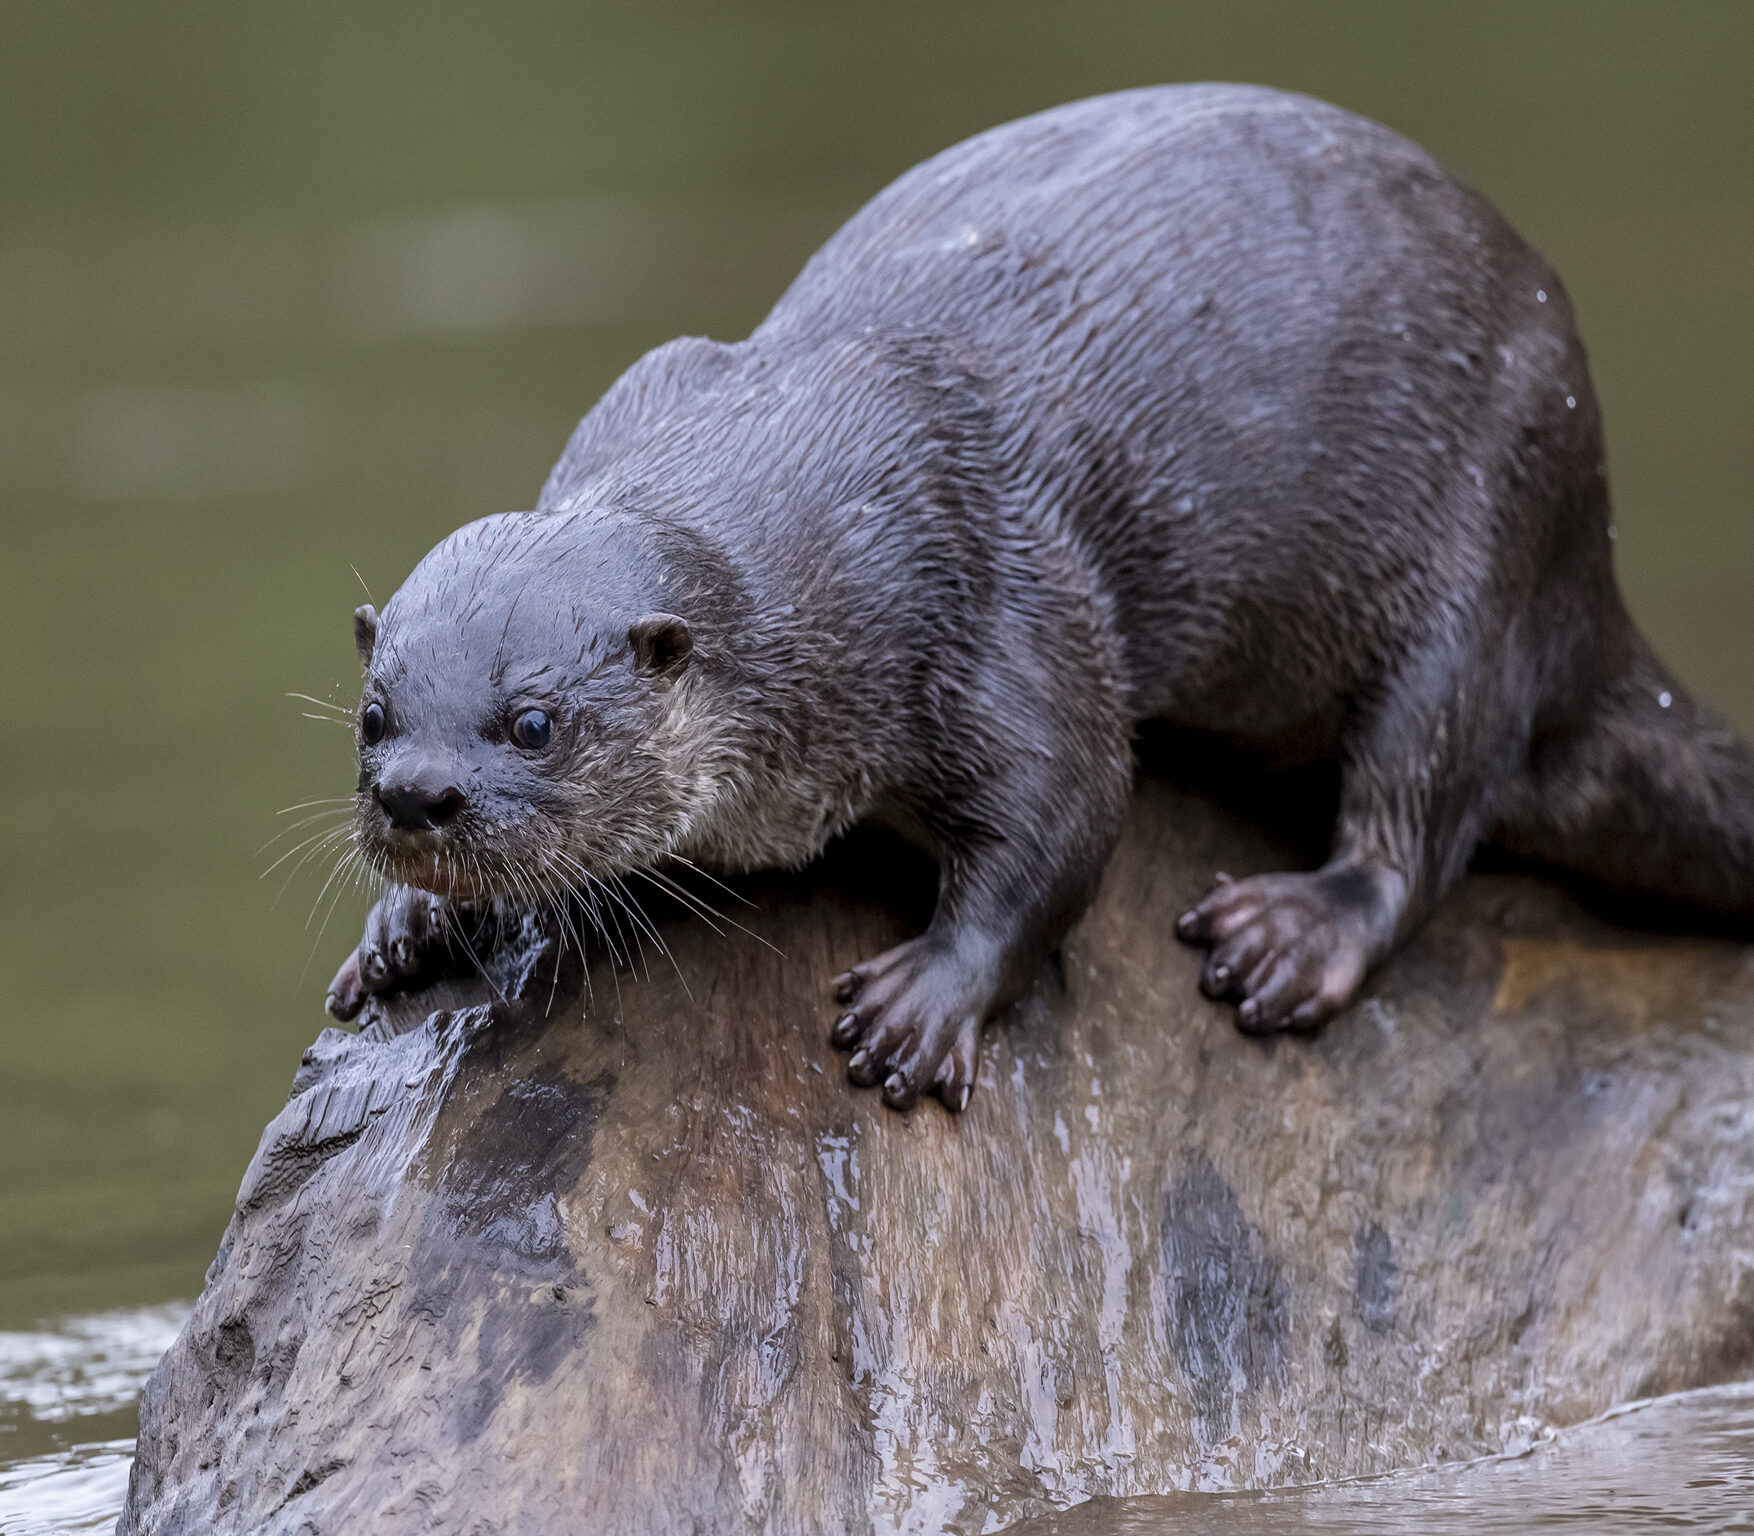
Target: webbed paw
[
  {"x": 1291, "y": 950},
  {"x": 410, "y": 935},
  {"x": 913, "y": 1023}
]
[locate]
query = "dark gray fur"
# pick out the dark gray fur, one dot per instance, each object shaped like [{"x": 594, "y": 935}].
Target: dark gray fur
[{"x": 1206, "y": 403}]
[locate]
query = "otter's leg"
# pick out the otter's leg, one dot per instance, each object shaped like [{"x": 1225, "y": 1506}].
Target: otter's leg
[
  {"x": 1643, "y": 791},
  {"x": 1020, "y": 856},
  {"x": 411, "y": 938},
  {"x": 1421, "y": 774}
]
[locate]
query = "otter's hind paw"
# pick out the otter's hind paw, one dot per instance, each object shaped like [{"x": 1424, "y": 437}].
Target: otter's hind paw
[
  {"x": 1290, "y": 950},
  {"x": 910, "y": 1025}
]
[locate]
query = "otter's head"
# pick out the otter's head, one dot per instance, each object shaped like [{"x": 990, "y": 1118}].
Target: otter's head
[{"x": 523, "y": 721}]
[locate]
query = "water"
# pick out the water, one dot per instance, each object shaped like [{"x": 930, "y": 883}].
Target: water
[
  {"x": 286, "y": 295},
  {"x": 67, "y": 1409},
  {"x": 67, "y": 1396},
  {"x": 1683, "y": 1463}
]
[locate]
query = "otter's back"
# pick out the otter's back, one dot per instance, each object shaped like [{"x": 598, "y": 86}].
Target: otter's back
[{"x": 1248, "y": 348}]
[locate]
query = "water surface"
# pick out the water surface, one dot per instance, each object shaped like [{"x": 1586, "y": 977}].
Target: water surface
[
  {"x": 1686, "y": 1462},
  {"x": 1682, "y": 1463},
  {"x": 67, "y": 1416}
]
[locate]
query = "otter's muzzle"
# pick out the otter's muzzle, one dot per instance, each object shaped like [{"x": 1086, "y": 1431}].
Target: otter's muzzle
[{"x": 418, "y": 799}]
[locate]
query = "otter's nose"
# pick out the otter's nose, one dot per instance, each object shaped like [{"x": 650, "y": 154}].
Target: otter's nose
[{"x": 419, "y": 802}]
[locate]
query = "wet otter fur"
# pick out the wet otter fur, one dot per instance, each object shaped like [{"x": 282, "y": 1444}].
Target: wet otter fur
[{"x": 1206, "y": 404}]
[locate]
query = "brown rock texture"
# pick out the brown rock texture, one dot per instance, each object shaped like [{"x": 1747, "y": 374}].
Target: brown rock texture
[{"x": 650, "y": 1263}]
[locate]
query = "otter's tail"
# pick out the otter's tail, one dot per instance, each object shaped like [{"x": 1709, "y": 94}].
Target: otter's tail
[{"x": 1645, "y": 792}]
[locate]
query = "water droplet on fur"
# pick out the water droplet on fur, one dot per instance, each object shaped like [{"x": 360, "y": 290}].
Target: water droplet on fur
[
  {"x": 1540, "y": 295},
  {"x": 1571, "y": 402},
  {"x": 1664, "y": 701}
]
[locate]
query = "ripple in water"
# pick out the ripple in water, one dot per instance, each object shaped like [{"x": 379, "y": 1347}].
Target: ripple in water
[
  {"x": 1682, "y": 1463},
  {"x": 67, "y": 1406},
  {"x": 79, "y": 1489}
]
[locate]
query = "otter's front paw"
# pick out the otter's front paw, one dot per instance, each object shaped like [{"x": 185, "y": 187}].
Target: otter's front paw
[
  {"x": 1290, "y": 949},
  {"x": 409, "y": 937},
  {"x": 910, "y": 1025}
]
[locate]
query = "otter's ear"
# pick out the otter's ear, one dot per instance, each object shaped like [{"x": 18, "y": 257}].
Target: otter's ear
[
  {"x": 661, "y": 644},
  {"x": 365, "y": 631}
]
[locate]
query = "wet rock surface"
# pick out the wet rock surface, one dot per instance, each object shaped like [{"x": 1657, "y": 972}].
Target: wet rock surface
[{"x": 650, "y": 1263}]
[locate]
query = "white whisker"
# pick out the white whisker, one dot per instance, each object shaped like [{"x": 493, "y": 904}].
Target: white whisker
[
  {"x": 339, "y": 709},
  {"x": 316, "y": 851},
  {"x": 299, "y": 825},
  {"x": 313, "y": 838},
  {"x": 703, "y": 909},
  {"x": 706, "y": 874}
]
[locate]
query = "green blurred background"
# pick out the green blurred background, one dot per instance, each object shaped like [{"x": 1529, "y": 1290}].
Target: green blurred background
[{"x": 288, "y": 290}]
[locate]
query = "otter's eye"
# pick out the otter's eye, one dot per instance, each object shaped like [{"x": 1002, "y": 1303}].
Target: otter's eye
[
  {"x": 532, "y": 729},
  {"x": 371, "y": 724}
]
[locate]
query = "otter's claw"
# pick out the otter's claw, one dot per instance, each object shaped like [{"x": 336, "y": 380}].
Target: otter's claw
[
  {"x": 910, "y": 1027},
  {"x": 347, "y": 991}
]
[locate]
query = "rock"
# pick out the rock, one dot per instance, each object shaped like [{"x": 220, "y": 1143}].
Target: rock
[{"x": 660, "y": 1267}]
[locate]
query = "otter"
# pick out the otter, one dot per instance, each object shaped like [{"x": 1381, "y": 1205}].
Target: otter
[{"x": 1205, "y": 404}]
